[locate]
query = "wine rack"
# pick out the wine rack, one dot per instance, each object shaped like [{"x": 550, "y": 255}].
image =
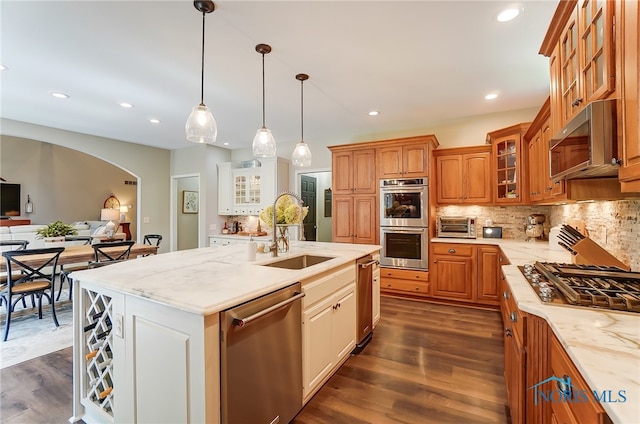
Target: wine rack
[{"x": 98, "y": 339}]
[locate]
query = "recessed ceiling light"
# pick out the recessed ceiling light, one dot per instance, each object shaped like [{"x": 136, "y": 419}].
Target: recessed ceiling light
[
  {"x": 3, "y": 68},
  {"x": 60, "y": 95},
  {"x": 225, "y": 143},
  {"x": 154, "y": 121},
  {"x": 508, "y": 14},
  {"x": 126, "y": 105},
  {"x": 374, "y": 113},
  {"x": 491, "y": 96}
]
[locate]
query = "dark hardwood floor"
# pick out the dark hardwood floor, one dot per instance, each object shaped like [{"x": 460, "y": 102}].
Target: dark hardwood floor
[{"x": 426, "y": 363}]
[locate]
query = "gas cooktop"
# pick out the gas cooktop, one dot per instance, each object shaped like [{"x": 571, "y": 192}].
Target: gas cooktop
[{"x": 585, "y": 285}]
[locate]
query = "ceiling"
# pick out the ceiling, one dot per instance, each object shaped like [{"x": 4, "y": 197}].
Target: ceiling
[{"x": 419, "y": 63}]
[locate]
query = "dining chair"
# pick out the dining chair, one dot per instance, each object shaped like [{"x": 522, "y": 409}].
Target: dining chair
[
  {"x": 6, "y": 245},
  {"x": 108, "y": 253},
  {"x": 151, "y": 238},
  {"x": 30, "y": 272},
  {"x": 64, "y": 272}
]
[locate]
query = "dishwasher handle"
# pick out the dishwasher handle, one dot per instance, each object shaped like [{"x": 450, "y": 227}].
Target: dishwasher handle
[{"x": 241, "y": 322}]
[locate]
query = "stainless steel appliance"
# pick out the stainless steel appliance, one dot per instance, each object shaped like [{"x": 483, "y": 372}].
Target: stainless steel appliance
[
  {"x": 404, "y": 203},
  {"x": 364, "y": 306},
  {"x": 261, "y": 359},
  {"x": 585, "y": 285},
  {"x": 587, "y": 145},
  {"x": 534, "y": 227},
  {"x": 404, "y": 247},
  {"x": 404, "y": 222},
  {"x": 456, "y": 226}
]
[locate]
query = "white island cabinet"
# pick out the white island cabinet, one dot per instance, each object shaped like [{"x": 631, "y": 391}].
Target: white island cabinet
[{"x": 146, "y": 331}]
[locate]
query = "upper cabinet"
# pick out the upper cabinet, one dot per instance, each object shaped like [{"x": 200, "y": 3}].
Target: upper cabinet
[
  {"x": 246, "y": 191},
  {"x": 408, "y": 160},
  {"x": 580, "y": 45},
  {"x": 629, "y": 128},
  {"x": 509, "y": 185},
  {"x": 354, "y": 171},
  {"x": 463, "y": 175}
]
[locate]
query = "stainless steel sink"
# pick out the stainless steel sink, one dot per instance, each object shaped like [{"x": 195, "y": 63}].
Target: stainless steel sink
[{"x": 299, "y": 262}]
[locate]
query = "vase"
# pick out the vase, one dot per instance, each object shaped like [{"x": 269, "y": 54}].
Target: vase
[{"x": 282, "y": 238}]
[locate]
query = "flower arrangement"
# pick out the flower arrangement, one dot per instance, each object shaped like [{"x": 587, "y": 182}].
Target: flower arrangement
[{"x": 287, "y": 212}]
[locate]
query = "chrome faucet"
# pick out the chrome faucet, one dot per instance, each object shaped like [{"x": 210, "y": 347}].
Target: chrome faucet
[{"x": 274, "y": 245}]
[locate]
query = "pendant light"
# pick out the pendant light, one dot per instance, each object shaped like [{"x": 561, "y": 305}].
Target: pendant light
[
  {"x": 264, "y": 145},
  {"x": 301, "y": 154},
  {"x": 201, "y": 127}
]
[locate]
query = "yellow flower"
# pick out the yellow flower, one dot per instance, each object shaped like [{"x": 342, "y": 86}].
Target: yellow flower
[{"x": 287, "y": 212}]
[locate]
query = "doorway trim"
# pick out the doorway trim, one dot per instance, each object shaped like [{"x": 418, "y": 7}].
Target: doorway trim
[{"x": 173, "y": 207}]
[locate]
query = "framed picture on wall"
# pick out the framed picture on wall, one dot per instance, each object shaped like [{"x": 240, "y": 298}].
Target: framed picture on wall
[{"x": 189, "y": 201}]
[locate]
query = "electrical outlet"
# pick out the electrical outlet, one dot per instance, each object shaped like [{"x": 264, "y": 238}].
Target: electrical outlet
[
  {"x": 145, "y": 220},
  {"x": 118, "y": 326}
]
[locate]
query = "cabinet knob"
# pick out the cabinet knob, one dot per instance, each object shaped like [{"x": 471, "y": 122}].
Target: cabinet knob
[
  {"x": 576, "y": 102},
  {"x": 507, "y": 332},
  {"x": 615, "y": 161},
  {"x": 564, "y": 386},
  {"x": 435, "y": 262},
  {"x": 513, "y": 316},
  {"x": 452, "y": 250},
  {"x": 505, "y": 295}
]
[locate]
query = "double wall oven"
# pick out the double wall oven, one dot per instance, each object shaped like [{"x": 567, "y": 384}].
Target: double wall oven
[{"x": 404, "y": 221}]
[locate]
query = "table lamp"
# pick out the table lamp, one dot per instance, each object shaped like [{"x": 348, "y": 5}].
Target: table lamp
[
  {"x": 123, "y": 211},
  {"x": 110, "y": 215}
]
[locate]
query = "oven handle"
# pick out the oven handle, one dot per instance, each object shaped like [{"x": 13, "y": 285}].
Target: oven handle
[
  {"x": 404, "y": 190},
  {"x": 390, "y": 230}
]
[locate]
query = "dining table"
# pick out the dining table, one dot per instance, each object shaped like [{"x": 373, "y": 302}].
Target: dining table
[{"x": 79, "y": 254}]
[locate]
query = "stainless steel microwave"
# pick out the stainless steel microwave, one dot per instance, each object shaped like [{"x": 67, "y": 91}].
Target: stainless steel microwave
[
  {"x": 586, "y": 147},
  {"x": 456, "y": 226}
]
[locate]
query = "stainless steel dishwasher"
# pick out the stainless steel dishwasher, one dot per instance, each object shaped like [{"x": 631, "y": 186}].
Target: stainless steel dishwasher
[
  {"x": 261, "y": 359},
  {"x": 364, "y": 310}
]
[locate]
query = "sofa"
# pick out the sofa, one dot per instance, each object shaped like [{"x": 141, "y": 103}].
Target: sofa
[{"x": 28, "y": 232}]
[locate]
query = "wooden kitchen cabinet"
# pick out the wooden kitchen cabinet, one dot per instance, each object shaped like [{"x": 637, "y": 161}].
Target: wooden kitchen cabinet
[
  {"x": 354, "y": 171},
  {"x": 404, "y": 282},
  {"x": 541, "y": 188},
  {"x": 355, "y": 200},
  {"x": 514, "y": 354},
  {"x": 355, "y": 219},
  {"x": 582, "y": 67},
  {"x": 452, "y": 271},
  {"x": 581, "y": 410},
  {"x": 536, "y": 369},
  {"x": 225, "y": 184},
  {"x": 490, "y": 261},
  {"x": 509, "y": 185},
  {"x": 629, "y": 128},
  {"x": 463, "y": 175},
  {"x": 409, "y": 160}
]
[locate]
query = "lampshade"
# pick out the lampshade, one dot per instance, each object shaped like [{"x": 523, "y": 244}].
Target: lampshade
[
  {"x": 301, "y": 154},
  {"x": 201, "y": 127},
  {"x": 123, "y": 211},
  {"x": 109, "y": 214},
  {"x": 264, "y": 145}
]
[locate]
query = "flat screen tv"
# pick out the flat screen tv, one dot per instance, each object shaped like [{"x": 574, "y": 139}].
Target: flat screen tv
[{"x": 10, "y": 199}]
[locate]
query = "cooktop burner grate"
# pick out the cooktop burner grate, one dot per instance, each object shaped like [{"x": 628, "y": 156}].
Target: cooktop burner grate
[{"x": 586, "y": 285}]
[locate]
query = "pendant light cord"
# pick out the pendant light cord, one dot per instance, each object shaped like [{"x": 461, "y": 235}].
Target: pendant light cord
[
  {"x": 302, "y": 111},
  {"x": 202, "y": 66},
  {"x": 263, "y": 91}
]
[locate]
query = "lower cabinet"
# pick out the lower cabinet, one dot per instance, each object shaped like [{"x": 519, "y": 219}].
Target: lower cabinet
[
  {"x": 453, "y": 272},
  {"x": 490, "y": 261},
  {"x": 404, "y": 281},
  {"x": 514, "y": 355},
  {"x": 328, "y": 326}
]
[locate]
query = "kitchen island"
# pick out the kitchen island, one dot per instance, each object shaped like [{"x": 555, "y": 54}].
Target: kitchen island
[
  {"x": 604, "y": 345},
  {"x": 146, "y": 332}
]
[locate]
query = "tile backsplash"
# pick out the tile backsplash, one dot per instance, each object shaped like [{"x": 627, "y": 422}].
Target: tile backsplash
[{"x": 613, "y": 225}]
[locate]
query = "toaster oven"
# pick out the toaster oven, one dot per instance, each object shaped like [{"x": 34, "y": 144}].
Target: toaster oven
[{"x": 456, "y": 227}]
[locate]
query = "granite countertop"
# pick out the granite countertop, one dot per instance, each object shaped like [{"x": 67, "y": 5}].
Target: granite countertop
[
  {"x": 242, "y": 237},
  {"x": 604, "y": 345},
  {"x": 210, "y": 279}
]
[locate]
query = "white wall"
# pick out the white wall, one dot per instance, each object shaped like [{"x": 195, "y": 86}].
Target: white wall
[{"x": 149, "y": 164}]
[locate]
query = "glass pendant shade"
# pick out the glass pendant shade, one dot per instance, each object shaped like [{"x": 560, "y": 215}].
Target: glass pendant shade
[
  {"x": 201, "y": 126},
  {"x": 264, "y": 145},
  {"x": 301, "y": 155}
]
